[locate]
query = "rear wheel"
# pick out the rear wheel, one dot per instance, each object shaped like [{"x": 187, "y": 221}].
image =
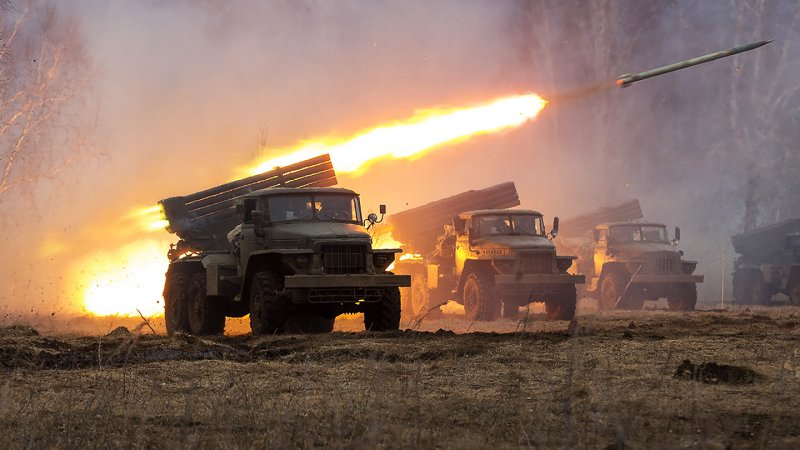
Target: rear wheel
[
  {"x": 175, "y": 303},
  {"x": 612, "y": 286},
  {"x": 205, "y": 314},
  {"x": 794, "y": 290},
  {"x": 479, "y": 300},
  {"x": 510, "y": 310},
  {"x": 384, "y": 315},
  {"x": 268, "y": 308},
  {"x": 683, "y": 297},
  {"x": 760, "y": 292},
  {"x": 749, "y": 288},
  {"x": 562, "y": 307}
]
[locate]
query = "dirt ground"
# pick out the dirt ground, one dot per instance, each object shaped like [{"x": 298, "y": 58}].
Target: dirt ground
[{"x": 603, "y": 381}]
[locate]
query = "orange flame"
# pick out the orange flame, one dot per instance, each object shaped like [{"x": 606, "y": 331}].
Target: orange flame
[
  {"x": 426, "y": 130},
  {"x": 131, "y": 278}
]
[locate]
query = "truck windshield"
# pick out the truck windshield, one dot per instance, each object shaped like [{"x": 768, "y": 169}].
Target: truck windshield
[
  {"x": 510, "y": 225},
  {"x": 325, "y": 207},
  {"x": 636, "y": 233}
]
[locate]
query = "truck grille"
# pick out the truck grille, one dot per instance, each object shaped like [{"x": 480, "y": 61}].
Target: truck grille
[
  {"x": 536, "y": 263},
  {"x": 344, "y": 259},
  {"x": 665, "y": 264}
]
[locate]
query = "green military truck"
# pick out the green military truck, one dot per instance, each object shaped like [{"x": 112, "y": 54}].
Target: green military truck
[
  {"x": 630, "y": 261},
  {"x": 492, "y": 261},
  {"x": 768, "y": 263},
  {"x": 283, "y": 247}
]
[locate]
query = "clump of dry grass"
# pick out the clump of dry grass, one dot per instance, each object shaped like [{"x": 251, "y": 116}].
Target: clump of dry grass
[{"x": 585, "y": 388}]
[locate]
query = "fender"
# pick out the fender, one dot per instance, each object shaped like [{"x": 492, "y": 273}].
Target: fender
[
  {"x": 614, "y": 267},
  {"x": 185, "y": 265},
  {"x": 470, "y": 266},
  {"x": 267, "y": 259}
]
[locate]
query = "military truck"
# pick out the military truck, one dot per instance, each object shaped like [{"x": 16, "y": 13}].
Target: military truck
[
  {"x": 284, "y": 247},
  {"x": 768, "y": 263},
  {"x": 629, "y": 261},
  {"x": 492, "y": 261}
]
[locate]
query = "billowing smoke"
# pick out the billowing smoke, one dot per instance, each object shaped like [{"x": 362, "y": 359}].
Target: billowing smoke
[{"x": 187, "y": 93}]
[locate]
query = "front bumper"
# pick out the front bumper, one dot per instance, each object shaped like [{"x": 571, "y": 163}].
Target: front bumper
[
  {"x": 535, "y": 286},
  {"x": 538, "y": 278},
  {"x": 345, "y": 281},
  {"x": 644, "y": 278}
]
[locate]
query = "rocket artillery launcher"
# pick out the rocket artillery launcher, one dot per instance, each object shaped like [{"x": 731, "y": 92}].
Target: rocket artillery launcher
[
  {"x": 768, "y": 263},
  {"x": 419, "y": 227},
  {"x": 628, "y": 79},
  {"x": 627, "y": 261},
  {"x": 282, "y": 246},
  {"x": 478, "y": 252},
  {"x": 203, "y": 219}
]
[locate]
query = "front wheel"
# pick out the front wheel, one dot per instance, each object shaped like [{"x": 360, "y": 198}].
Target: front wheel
[
  {"x": 683, "y": 297},
  {"x": 612, "y": 288},
  {"x": 562, "y": 307},
  {"x": 268, "y": 307},
  {"x": 384, "y": 315},
  {"x": 478, "y": 299}
]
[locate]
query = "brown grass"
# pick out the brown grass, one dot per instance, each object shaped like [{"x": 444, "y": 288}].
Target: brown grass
[{"x": 606, "y": 381}]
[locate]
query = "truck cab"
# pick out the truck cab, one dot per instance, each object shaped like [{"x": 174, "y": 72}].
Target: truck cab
[{"x": 636, "y": 261}]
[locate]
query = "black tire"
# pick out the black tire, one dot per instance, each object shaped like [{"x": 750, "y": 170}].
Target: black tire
[
  {"x": 510, "y": 310},
  {"x": 742, "y": 279},
  {"x": 384, "y": 315},
  {"x": 268, "y": 308},
  {"x": 478, "y": 299},
  {"x": 206, "y": 315},
  {"x": 633, "y": 298},
  {"x": 175, "y": 303},
  {"x": 562, "y": 307},
  {"x": 611, "y": 287},
  {"x": 683, "y": 297},
  {"x": 749, "y": 288},
  {"x": 419, "y": 300},
  {"x": 794, "y": 290},
  {"x": 760, "y": 291}
]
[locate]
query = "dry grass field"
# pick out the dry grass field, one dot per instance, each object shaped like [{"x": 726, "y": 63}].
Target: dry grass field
[{"x": 603, "y": 381}]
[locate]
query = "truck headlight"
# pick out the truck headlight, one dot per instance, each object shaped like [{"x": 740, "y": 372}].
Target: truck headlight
[
  {"x": 563, "y": 264},
  {"x": 382, "y": 260}
]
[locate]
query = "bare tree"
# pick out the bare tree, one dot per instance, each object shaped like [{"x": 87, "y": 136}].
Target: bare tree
[
  {"x": 44, "y": 73},
  {"x": 764, "y": 110}
]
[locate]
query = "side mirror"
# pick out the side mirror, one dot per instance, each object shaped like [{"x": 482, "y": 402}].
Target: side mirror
[
  {"x": 258, "y": 222},
  {"x": 554, "y": 230},
  {"x": 596, "y": 234},
  {"x": 372, "y": 218},
  {"x": 677, "y": 234}
]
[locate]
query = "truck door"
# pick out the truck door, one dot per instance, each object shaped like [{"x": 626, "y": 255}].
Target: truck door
[
  {"x": 600, "y": 248},
  {"x": 462, "y": 247}
]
